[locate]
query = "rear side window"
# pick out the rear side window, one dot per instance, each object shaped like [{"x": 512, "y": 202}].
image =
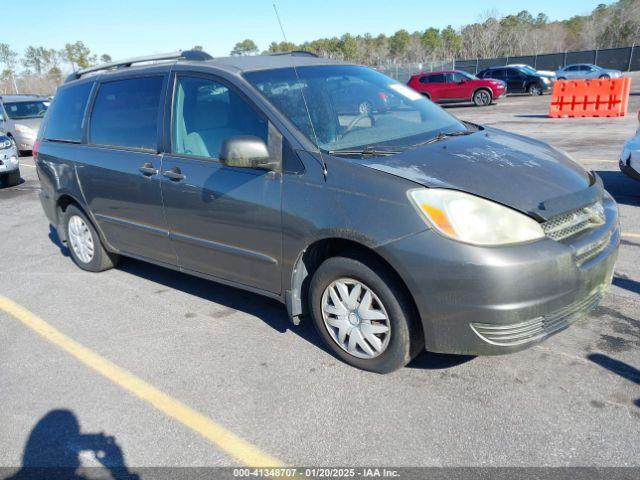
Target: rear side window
[
  {"x": 125, "y": 113},
  {"x": 64, "y": 122},
  {"x": 437, "y": 78}
]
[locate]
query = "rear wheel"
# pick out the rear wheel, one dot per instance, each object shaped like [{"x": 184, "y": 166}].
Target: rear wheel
[
  {"x": 482, "y": 98},
  {"x": 362, "y": 314},
  {"x": 84, "y": 242},
  {"x": 561, "y": 78},
  {"x": 604, "y": 76},
  {"x": 365, "y": 107},
  {"x": 534, "y": 90}
]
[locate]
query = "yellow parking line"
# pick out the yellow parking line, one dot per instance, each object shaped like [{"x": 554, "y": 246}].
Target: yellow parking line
[
  {"x": 240, "y": 449},
  {"x": 631, "y": 235}
]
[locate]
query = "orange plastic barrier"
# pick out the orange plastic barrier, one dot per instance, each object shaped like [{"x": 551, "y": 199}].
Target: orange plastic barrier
[{"x": 590, "y": 98}]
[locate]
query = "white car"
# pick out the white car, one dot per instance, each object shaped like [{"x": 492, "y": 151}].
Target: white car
[
  {"x": 630, "y": 157},
  {"x": 546, "y": 73},
  {"x": 9, "y": 165}
]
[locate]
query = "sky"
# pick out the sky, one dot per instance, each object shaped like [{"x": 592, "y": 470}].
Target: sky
[{"x": 126, "y": 28}]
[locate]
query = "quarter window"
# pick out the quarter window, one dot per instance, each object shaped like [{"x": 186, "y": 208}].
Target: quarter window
[
  {"x": 64, "y": 121},
  {"x": 125, "y": 113},
  {"x": 206, "y": 112}
]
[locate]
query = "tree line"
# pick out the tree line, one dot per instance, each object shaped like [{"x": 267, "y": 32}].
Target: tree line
[
  {"x": 493, "y": 35},
  {"x": 42, "y": 68}
]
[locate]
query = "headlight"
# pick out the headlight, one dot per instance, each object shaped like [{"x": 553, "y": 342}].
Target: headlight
[
  {"x": 23, "y": 128},
  {"x": 5, "y": 144},
  {"x": 472, "y": 219},
  {"x": 546, "y": 80}
]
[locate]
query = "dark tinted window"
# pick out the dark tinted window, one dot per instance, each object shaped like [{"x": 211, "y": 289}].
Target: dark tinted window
[
  {"x": 514, "y": 73},
  {"x": 437, "y": 78},
  {"x": 64, "y": 121},
  {"x": 125, "y": 113},
  {"x": 424, "y": 79},
  {"x": 18, "y": 110},
  {"x": 205, "y": 113}
]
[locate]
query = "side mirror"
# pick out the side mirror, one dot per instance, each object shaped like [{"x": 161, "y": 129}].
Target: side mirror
[
  {"x": 462, "y": 80},
  {"x": 246, "y": 151}
]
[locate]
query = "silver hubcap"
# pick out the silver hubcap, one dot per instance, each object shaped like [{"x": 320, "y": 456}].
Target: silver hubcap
[
  {"x": 364, "y": 108},
  {"x": 483, "y": 98},
  {"x": 80, "y": 239},
  {"x": 355, "y": 318}
]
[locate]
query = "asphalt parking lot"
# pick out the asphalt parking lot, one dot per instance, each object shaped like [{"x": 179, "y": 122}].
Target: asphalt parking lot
[{"x": 216, "y": 361}]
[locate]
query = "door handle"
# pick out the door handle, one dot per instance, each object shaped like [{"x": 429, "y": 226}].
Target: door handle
[
  {"x": 148, "y": 170},
  {"x": 174, "y": 174}
]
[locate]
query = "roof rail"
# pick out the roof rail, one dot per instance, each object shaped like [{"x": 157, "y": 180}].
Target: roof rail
[
  {"x": 296, "y": 53},
  {"x": 179, "y": 55}
]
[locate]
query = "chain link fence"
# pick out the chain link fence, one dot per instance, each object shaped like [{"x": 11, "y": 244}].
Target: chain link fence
[{"x": 624, "y": 58}]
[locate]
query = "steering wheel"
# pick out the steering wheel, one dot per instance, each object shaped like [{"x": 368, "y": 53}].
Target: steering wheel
[{"x": 357, "y": 120}]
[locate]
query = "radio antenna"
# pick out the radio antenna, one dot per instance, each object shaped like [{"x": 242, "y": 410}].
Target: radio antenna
[{"x": 322, "y": 163}]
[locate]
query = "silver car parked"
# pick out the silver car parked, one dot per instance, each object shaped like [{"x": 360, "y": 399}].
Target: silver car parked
[
  {"x": 20, "y": 118},
  {"x": 9, "y": 165},
  {"x": 586, "y": 71}
]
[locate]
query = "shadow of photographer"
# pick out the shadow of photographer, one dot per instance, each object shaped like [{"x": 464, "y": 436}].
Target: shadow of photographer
[{"x": 56, "y": 447}]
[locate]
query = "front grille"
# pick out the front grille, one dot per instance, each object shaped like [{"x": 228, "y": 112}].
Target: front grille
[
  {"x": 591, "y": 250},
  {"x": 538, "y": 328},
  {"x": 573, "y": 223}
]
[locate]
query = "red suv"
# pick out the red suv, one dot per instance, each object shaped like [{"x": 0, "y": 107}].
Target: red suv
[{"x": 457, "y": 86}]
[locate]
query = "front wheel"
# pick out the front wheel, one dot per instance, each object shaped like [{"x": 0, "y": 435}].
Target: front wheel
[
  {"x": 534, "y": 90},
  {"x": 482, "y": 98},
  {"x": 604, "y": 77},
  {"x": 84, "y": 242},
  {"x": 363, "y": 315}
]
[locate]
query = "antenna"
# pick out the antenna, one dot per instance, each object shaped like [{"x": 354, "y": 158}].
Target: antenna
[{"x": 323, "y": 164}]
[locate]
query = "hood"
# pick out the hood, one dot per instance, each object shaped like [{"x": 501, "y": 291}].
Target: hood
[
  {"x": 32, "y": 123},
  {"x": 519, "y": 172}
]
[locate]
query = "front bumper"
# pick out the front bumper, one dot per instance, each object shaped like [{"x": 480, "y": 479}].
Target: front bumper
[
  {"x": 9, "y": 160},
  {"x": 493, "y": 300}
]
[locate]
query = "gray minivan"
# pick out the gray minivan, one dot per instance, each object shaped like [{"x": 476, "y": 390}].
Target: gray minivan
[{"x": 395, "y": 229}]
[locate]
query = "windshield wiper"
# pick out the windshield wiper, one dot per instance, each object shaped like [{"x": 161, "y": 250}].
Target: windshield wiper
[
  {"x": 443, "y": 135},
  {"x": 367, "y": 151}
]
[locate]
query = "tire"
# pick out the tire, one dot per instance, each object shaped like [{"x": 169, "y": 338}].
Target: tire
[
  {"x": 604, "y": 77},
  {"x": 396, "y": 346},
  {"x": 482, "y": 98},
  {"x": 534, "y": 90},
  {"x": 561, "y": 78},
  {"x": 99, "y": 260},
  {"x": 427, "y": 96},
  {"x": 12, "y": 178},
  {"x": 365, "y": 107}
]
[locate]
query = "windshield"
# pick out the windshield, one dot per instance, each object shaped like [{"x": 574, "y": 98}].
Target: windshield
[
  {"x": 34, "y": 109},
  {"x": 352, "y": 106},
  {"x": 528, "y": 70},
  {"x": 468, "y": 75}
]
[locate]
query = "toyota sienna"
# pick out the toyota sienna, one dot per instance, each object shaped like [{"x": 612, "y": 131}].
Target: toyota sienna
[{"x": 394, "y": 229}]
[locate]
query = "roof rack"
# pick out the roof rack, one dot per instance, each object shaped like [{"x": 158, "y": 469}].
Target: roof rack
[
  {"x": 197, "y": 55},
  {"x": 296, "y": 53}
]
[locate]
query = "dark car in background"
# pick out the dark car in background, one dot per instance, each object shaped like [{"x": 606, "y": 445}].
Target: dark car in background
[
  {"x": 394, "y": 231},
  {"x": 456, "y": 86},
  {"x": 519, "y": 79}
]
